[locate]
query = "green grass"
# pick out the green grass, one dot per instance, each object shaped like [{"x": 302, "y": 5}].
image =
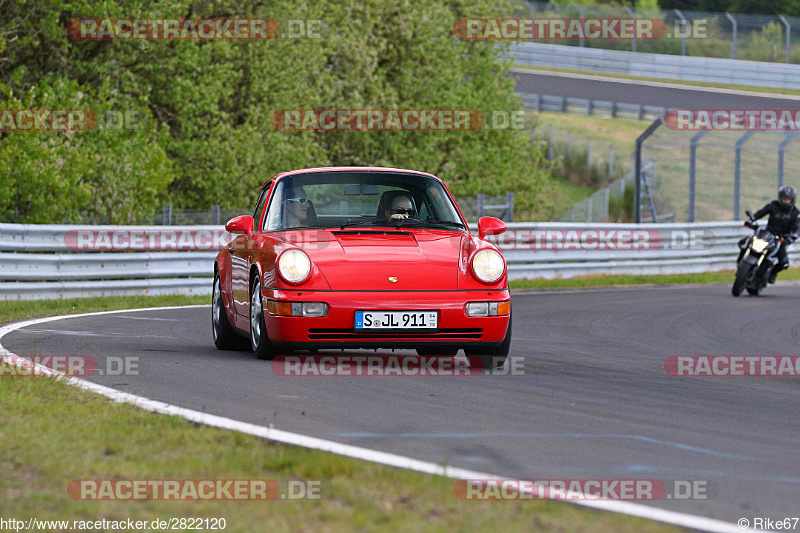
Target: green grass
[
  {"x": 723, "y": 277},
  {"x": 750, "y": 88},
  {"x": 53, "y": 434},
  {"x": 19, "y": 310}
]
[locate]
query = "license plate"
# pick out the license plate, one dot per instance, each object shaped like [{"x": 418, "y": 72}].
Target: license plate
[{"x": 396, "y": 319}]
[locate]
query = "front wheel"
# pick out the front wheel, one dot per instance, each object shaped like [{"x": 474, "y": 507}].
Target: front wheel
[
  {"x": 753, "y": 292},
  {"x": 258, "y": 329},
  {"x": 493, "y": 357},
  {"x": 742, "y": 273},
  {"x": 225, "y": 338}
]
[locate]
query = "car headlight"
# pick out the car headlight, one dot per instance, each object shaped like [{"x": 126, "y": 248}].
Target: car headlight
[
  {"x": 294, "y": 266},
  {"x": 488, "y": 265},
  {"x": 759, "y": 245}
]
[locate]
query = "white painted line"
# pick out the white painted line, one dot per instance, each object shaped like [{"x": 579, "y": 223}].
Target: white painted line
[
  {"x": 657, "y": 84},
  {"x": 375, "y": 456}
]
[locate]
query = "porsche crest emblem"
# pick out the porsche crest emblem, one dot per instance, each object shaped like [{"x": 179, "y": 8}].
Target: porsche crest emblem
[{"x": 393, "y": 279}]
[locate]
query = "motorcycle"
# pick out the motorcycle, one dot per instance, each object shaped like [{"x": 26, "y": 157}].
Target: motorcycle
[{"x": 757, "y": 258}]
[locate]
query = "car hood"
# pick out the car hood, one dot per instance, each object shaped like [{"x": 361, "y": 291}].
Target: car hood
[{"x": 356, "y": 259}]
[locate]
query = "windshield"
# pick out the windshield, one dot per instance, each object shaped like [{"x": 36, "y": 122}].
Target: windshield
[{"x": 361, "y": 198}]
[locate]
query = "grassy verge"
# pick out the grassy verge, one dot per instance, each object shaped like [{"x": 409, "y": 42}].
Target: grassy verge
[
  {"x": 723, "y": 277},
  {"x": 750, "y": 88},
  {"x": 16, "y": 310},
  {"x": 621, "y": 133},
  {"x": 53, "y": 434}
]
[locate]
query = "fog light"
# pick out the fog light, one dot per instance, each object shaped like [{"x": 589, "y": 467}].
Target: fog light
[
  {"x": 315, "y": 309},
  {"x": 478, "y": 309},
  {"x": 279, "y": 308},
  {"x": 488, "y": 309}
]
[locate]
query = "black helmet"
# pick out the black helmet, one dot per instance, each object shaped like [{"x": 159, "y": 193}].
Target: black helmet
[{"x": 787, "y": 192}]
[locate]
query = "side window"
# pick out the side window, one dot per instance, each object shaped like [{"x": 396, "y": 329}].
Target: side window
[
  {"x": 259, "y": 207},
  {"x": 272, "y": 221}
]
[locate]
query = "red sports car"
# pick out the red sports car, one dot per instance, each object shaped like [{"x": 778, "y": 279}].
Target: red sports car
[{"x": 352, "y": 257}]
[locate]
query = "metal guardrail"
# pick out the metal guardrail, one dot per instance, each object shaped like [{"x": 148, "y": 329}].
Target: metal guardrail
[
  {"x": 712, "y": 70},
  {"x": 590, "y": 106},
  {"x": 532, "y": 250}
]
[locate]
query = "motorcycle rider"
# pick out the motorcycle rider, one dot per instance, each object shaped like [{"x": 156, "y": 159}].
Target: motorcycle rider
[{"x": 784, "y": 221}]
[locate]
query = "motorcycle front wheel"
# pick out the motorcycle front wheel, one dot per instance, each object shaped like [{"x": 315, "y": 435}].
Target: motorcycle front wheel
[{"x": 742, "y": 273}]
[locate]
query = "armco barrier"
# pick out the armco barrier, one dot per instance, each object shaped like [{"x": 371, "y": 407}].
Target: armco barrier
[
  {"x": 687, "y": 68},
  {"x": 53, "y": 261}
]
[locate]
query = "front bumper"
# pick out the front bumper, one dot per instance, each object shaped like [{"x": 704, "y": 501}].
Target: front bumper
[{"x": 337, "y": 328}]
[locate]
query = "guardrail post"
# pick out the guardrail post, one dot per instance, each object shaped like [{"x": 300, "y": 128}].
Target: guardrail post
[
  {"x": 563, "y": 104},
  {"x": 639, "y": 112},
  {"x": 537, "y": 103},
  {"x": 589, "y": 106},
  {"x": 610, "y": 161},
  {"x": 215, "y": 215},
  {"x": 693, "y": 172},
  {"x": 788, "y": 37},
  {"x": 481, "y": 202},
  {"x": 733, "y": 39},
  {"x": 580, "y": 17},
  {"x": 637, "y": 162},
  {"x": 613, "y": 110},
  {"x": 632, "y": 13},
  {"x": 166, "y": 215},
  {"x": 510, "y": 206},
  {"x": 781, "y": 149},
  {"x": 684, "y": 26},
  {"x": 737, "y": 173}
]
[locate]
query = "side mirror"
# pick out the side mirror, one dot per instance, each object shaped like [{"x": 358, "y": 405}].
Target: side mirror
[
  {"x": 490, "y": 226},
  {"x": 242, "y": 224}
]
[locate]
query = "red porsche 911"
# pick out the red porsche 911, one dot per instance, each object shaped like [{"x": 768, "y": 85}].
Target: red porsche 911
[{"x": 352, "y": 257}]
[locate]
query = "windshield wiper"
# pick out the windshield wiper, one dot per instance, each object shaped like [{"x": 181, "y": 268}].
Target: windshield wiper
[
  {"x": 360, "y": 223},
  {"x": 414, "y": 222}
]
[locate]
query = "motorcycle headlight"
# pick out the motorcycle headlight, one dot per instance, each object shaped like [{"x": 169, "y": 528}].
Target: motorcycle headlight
[
  {"x": 488, "y": 266},
  {"x": 294, "y": 266},
  {"x": 759, "y": 245}
]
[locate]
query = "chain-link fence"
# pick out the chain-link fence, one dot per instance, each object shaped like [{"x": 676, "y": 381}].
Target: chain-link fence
[
  {"x": 693, "y": 33},
  {"x": 716, "y": 175}
]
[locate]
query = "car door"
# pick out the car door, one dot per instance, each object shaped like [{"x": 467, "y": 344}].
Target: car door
[{"x": 242, "y": 256}]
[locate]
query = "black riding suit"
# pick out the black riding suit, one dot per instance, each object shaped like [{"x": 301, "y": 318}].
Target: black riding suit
[{"x": 782, "y": 223}]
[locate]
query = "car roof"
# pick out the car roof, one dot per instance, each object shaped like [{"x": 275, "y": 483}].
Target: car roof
[{"x": 350, "y": 169}]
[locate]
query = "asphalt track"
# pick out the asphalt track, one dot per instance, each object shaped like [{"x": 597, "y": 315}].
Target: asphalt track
[
  {"x": 646, "y": 93},
  {"x": 594, "y": 400}
]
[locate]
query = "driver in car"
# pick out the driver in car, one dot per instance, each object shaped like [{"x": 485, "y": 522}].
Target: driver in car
[
  {"x": 401, "y": 208},
  {"x": 297, "y": 209}
]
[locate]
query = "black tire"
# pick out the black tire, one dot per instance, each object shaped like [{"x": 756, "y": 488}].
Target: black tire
[
  {"x": 259, "y": 341},
  {"x": 448, "y": 351},
  {"x": 493, "y": 357},
  {"x": 742, "y": 273},
  {"x": 225, "y": 337},
  {"x": 753, "y": 292}
]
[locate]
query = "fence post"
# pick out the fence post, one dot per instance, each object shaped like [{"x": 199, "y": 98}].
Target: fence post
[
  {"x": 510, "y": 206},
  {"x": 580, "y": 16},
  {"x": 637, "y": 172},
  {"x": 693, "y": 173},
  {"x": 737, "y": 173},
  {"x": 166, "y": 215},
  {"x": 733, "y": 39},
  {"x": 588, "y": 153},
  {"x": 605, "y": 202},
  {"x": 481, "y": 201},
  {"x": 684, "y": 26},
  {"x": 589, "y": 209},
  {"x": 781, "y": 149},
  {"x": 632, "y": 13},
  {"x": 569, "y": 143},
  {"x": 788, "y": 37},
  {"x": 215, "y": 214},
  {"x": 550, "y": 154},
  {"x": 610, "y": 161}
]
